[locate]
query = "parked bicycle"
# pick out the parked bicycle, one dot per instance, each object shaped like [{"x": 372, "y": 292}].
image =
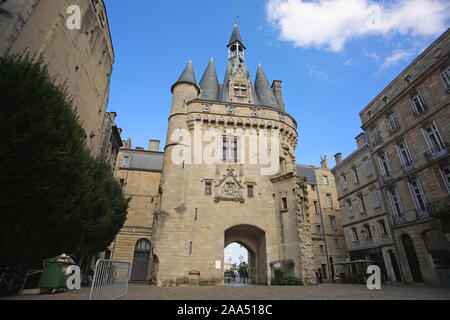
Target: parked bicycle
[{"x": 10, "y": 281}]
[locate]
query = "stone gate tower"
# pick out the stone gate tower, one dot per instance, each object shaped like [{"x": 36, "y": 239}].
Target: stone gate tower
[{"x": 232, "y": 196}]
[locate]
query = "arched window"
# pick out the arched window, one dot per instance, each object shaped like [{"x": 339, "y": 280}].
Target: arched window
[{"x": 143, "y": 245}]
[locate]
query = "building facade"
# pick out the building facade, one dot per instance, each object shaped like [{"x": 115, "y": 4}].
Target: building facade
[
  {"x": 139, "y": 172},
  {"x": 408, "y": 128},
  {"x": 183, "y": 214},
  {"x": 365, "y": 220},
  {"x": 83, "y": 58},
  {"x": 327, "y": 233}
]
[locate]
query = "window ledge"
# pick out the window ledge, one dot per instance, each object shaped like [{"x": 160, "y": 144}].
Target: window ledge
[{"x": 284, "y": 210}]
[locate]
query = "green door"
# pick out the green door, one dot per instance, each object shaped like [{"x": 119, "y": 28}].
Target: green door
[{"x": 140, "y": 260}]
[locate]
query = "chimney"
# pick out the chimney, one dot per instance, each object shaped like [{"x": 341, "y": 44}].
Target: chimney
[
  {"x": 128, "y": 144},
  {"x": 153, "y": 145},
  {"x": 276, "y": 87},
  {"x": 324, "y": 163},
  {"x": 338, "y": 158}
]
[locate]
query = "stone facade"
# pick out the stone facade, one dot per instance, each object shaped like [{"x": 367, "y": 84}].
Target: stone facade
[
  {"x": 81, "y": 58},
  {"x": 408, "y": 127},
  {"x": 365, "y": 221},
  {"x": 110, "y": 140},
  {"x": 327, "y": 233},
  {"x": 139, "y": 172},
  {"x": 200, "y": 208}
]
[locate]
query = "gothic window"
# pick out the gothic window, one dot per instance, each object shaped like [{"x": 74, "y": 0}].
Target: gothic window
[
  {"x": 230, "y": 148},
  {"x": 240, "y": 90}
]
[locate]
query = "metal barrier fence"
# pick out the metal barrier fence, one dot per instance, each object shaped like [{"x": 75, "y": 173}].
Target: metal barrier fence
[{"x": 110, "y": 280}]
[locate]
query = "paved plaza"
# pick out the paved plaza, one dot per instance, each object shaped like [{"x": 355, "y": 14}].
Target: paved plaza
[{"x": 320, "y": 292}]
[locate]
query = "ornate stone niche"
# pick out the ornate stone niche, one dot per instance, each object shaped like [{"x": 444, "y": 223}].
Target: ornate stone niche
[{"x": 229, "y": 188}]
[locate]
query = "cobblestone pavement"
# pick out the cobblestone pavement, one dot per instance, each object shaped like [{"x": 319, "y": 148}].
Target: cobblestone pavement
[{"x": 320, "y": 292}]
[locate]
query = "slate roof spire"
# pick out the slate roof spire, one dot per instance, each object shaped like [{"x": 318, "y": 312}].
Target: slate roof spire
[
  {"x": 236, "y": 37},
  {"x": 209, "y": 83},
  {"x": 264, "y": 91},
  {"x": 187, "y": 76}
]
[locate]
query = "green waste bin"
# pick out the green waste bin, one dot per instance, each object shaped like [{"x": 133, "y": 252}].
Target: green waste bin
[{"x": 54, "y": 278}]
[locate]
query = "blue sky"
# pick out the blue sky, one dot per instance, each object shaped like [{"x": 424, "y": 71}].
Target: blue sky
[
  {"x": 333, "y": 56},
  {"x": 235, "y": 251}
]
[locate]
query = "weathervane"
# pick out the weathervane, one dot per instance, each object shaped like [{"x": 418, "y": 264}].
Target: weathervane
[{"x": 236, "y": 19}]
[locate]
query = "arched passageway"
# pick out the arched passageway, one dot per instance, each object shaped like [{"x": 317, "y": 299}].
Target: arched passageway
[{"x": 254, "y": 240}]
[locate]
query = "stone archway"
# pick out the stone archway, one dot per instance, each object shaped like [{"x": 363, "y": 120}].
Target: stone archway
[{"x": 254, "y": 240}]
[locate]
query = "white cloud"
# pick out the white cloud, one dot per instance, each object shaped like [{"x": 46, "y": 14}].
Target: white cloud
[
  {"x": 371, "y": 54},
  {"x": 397, "y": 56},
  {"x": 320, "y": 74},
  {"x": 331, "y": 23},
  {"x": 348, "y": 62}
]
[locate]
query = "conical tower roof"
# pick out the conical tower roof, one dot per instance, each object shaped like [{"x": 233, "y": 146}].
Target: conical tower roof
[
  {"x": 188, "y": 76},
  {"x": 264, "y": 91},
  {"x": 236, "y": 36},
  {"x": 209, "y": 83}
]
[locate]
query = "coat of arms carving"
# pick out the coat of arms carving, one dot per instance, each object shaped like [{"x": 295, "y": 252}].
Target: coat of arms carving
[{"x": 229, "y": 188}]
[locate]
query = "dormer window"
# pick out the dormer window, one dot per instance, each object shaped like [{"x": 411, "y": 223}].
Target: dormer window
[{"x": 408, "y": 79}]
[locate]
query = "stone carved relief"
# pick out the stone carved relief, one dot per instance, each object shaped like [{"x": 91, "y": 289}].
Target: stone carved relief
[{"x": 229, "y": 188}]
